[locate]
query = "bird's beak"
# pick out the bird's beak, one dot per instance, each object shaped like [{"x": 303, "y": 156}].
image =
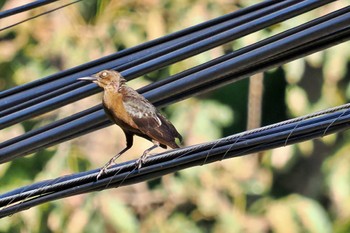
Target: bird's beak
[{"x": 92, "y": 79}]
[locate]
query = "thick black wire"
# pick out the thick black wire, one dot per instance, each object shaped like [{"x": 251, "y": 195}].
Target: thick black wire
[
  {"x": 25, "y": 7},
  {"x": 244, "y": 60},
  {"x": 87, "y": 177},
  {"x": 328, "y": 117},
  {"x": 318, "y": 45},
  {"x": 328, "y": 122},
  {"x": 131, "y": 53},
  {"x": 36, "y": 16},
  {"x": 269, "y": 137},
  {"x": 49, "y": 136},
  {"x": 43, "y": 137},
  {"x": 332, "y": 125},
  {"x": 87, "y": 91},
  {"x": 23, "y": 115},
  {"x": 278, "y": 52},
  {"x": 133, "y": 50},
  {"x": 16, "y": 113},
  {"x": 165, "y": 57}
]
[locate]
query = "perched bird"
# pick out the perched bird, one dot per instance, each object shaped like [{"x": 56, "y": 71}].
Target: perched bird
[{"x": 134, "y": 114}]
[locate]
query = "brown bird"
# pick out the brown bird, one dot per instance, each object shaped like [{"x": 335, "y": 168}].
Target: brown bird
[{"x": 134, "y": 114}]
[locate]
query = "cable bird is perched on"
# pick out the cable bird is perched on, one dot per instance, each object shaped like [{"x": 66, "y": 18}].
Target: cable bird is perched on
[{"x": 134, "y": 114}]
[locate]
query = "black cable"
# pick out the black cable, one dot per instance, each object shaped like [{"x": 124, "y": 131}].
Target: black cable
[
  {"x": 26, "y": 7},
  {"x": 36, "y": 16},
  {"x": 87, "y": 91},
  {"x": 165, "y": 57},
  {"x": 253, "y": 141},
  {"x": 319, "y": 45},
  {"x": 237, "y": 64},
  {"x": 132, "y": 53},
  {"x": 330, "y": 115},
  {"x": 24, "y": 145},
  {"x": 70, "y": 130},
  {"x": 58, "y": 132},
  {"x": 281, "y": 134},
  {"x": 14, "y": 112},
  {"x": 246, "y": 49}
]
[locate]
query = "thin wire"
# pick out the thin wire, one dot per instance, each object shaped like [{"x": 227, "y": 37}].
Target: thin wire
[{"x": 36, "y": 16}]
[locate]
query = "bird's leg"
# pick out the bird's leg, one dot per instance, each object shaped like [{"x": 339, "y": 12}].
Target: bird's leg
[
  {"x": 110, "y": 162},
  {"x": 129, "y": 142},
  {"x": 143, "y": 157}
]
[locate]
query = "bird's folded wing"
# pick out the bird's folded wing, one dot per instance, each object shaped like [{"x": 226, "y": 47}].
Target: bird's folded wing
[{"x": 143, "y": 113}]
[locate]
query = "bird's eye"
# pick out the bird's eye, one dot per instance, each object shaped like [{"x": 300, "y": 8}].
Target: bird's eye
[{"x": 104, "y": 74}]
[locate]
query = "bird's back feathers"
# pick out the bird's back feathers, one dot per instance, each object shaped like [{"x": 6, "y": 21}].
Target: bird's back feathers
[
  {"x": 136, "y": 115},
  {"x": 147, "y": 118}
]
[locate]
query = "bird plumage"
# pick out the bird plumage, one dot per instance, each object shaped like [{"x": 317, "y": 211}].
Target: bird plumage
[{"x": 134, "y": 114}]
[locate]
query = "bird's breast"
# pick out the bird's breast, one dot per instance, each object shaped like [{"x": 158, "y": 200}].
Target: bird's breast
[{"x": 114, "y": 103}]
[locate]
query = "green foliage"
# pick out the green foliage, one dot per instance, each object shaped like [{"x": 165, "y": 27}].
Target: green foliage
[{"x": 301, "y": 188}]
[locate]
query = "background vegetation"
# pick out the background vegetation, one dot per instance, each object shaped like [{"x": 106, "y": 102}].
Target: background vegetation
[{"x": 300, "y": 188}]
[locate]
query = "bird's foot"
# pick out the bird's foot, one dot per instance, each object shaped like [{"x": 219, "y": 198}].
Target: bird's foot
[
  {"x": 104, "y": 169},
  {"x": 140, "y": 161}
]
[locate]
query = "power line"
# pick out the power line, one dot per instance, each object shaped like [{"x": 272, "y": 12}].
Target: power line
[
  {"x": 281, "y": 134},
  {"x": 28, "y": 7}
]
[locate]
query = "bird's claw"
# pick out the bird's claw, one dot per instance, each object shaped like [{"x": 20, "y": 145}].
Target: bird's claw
[
  {"x": 140, "y": 162},
  {"x": 102, "y": 171}
]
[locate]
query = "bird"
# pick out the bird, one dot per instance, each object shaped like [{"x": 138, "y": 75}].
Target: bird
[{"x": 134, "y": 114}]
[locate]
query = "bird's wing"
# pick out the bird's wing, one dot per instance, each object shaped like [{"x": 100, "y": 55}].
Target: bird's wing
[
  {"x": 142, "y": 112},
  {"x": 148, "y": 120}
]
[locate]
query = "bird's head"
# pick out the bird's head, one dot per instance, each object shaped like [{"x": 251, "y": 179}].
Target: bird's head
[{"x": 106, "y": 79}]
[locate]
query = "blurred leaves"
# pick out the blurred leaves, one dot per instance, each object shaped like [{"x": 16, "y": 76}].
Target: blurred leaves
[
  {"x": 297, "y": 214},
  {"x": 301, "y": 188},
  {"x": 337, "y": 174}
]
